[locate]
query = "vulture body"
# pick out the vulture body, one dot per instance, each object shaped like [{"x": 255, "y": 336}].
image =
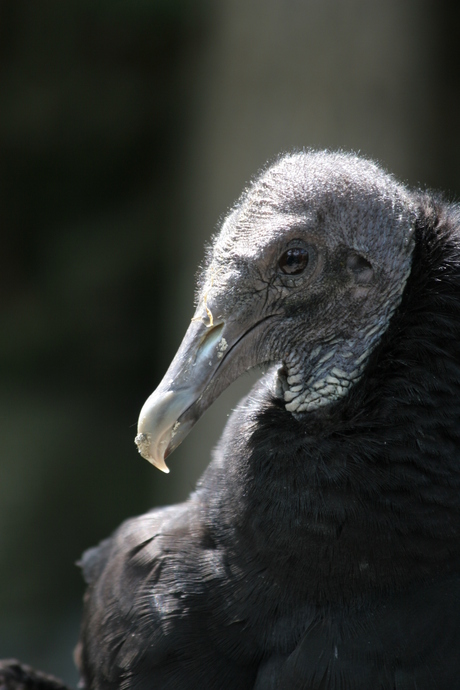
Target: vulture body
[{"x": 321, "y": 547}]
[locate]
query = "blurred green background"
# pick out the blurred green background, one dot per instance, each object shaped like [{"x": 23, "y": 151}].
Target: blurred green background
[{"x": 126, "y": 131}]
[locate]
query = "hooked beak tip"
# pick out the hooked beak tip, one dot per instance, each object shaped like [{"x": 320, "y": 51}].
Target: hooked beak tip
[{"x": 143, "y": 443}]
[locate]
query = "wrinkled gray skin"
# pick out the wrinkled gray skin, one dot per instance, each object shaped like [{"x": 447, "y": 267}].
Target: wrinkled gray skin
[{"x": 319, "y": 327}]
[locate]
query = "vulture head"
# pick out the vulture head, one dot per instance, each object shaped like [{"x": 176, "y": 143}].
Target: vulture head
[{"x": 305, "y": 274}]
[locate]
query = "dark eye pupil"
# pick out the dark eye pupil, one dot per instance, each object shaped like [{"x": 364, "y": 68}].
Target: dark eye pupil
[{"x": 294, "y": 261}]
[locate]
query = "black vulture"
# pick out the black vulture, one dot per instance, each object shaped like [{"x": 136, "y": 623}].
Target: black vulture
[{"x": 320, "y": 549}]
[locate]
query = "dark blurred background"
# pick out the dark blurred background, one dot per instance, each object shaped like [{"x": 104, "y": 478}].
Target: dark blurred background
[{"x": 127, "y": 128}]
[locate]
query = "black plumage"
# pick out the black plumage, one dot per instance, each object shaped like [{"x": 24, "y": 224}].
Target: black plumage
[
  {"x": 17, "y": 676},
  {"x": 321, "y": 547}
]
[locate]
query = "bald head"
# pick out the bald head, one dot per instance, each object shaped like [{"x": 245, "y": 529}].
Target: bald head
[{"x": 305, "y": 273}]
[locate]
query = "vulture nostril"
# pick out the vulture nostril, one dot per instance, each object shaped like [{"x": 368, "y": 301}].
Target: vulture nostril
[{"x": 211, "y": 337}]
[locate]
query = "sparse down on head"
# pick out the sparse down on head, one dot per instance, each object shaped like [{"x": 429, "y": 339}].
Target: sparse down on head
[{"x": 305, "y": 274}]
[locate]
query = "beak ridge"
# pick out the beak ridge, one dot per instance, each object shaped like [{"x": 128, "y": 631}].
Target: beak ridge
[
  {"x": 190, "y": 385},
  {"x": 159, "y": 428}
]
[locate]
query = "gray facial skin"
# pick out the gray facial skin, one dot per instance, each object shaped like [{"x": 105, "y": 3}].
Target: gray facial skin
[{"x": 353, "y": 225}]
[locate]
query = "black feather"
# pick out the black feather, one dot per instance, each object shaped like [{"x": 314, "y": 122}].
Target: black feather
[{"x": 17, "y": 676}]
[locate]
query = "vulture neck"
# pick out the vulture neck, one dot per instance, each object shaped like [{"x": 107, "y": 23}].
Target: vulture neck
[{"x": 364, "y": 492}]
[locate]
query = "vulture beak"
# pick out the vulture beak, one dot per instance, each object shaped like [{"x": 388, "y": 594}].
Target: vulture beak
[{"x": 190, "y": 385}]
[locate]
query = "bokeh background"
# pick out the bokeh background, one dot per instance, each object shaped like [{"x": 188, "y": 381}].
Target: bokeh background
[{"x": 127, "y": 128}]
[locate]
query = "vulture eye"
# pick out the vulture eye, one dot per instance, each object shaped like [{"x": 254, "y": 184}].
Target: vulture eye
[{"x": 294, "y": 261}]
